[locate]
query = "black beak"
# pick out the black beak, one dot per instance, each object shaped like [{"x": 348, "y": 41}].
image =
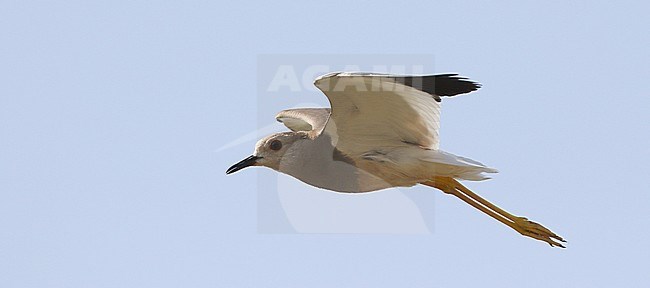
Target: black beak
[{"x": 249, "y": 161}]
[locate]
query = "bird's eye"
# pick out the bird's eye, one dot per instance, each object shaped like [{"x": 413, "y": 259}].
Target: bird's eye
[{"x": 275, "y": 145}]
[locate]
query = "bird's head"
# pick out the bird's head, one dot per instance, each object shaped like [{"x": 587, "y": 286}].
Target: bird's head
[{"x": 271, "y": 150}]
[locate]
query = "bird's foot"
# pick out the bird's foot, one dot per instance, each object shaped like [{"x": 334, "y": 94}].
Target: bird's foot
[{"x": 537, "y": 231}]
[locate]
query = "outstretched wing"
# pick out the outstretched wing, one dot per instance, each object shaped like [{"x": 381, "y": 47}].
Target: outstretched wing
[
  {"x": 312, "y": 120},
  {"x": 380, "y": 110}
]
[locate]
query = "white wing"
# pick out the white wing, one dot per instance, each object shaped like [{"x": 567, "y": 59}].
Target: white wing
[
  {"x": 312, "y": 120},
  {"x": 380, "y": 110}
]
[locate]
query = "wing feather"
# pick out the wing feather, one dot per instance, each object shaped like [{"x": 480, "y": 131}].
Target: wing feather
[
  {"x": 312, "y": 120},
  {"x": 382, "y": 110}
]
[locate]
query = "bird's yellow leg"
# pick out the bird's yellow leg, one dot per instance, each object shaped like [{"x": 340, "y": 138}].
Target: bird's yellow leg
[
  {"x": 520, "y": 221},
  {"x": 520, "y": 224}
]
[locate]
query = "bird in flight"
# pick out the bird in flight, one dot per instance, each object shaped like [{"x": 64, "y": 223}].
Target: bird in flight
[{"x": 380, "y": 132}]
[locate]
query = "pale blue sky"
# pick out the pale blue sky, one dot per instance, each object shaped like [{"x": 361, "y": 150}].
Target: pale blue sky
[{"x": 111, "y": 113}]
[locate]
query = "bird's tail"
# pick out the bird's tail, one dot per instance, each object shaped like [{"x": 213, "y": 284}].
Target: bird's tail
[{"x": 449, "y": 165}]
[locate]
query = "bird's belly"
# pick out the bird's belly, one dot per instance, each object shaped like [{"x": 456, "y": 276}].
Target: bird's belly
[{"x": 341, "y": 177}]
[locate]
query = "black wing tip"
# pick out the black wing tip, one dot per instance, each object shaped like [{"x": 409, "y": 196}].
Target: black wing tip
[
  {"x": 453, "y": 84},
  {"x": 449, "y": 84}
]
